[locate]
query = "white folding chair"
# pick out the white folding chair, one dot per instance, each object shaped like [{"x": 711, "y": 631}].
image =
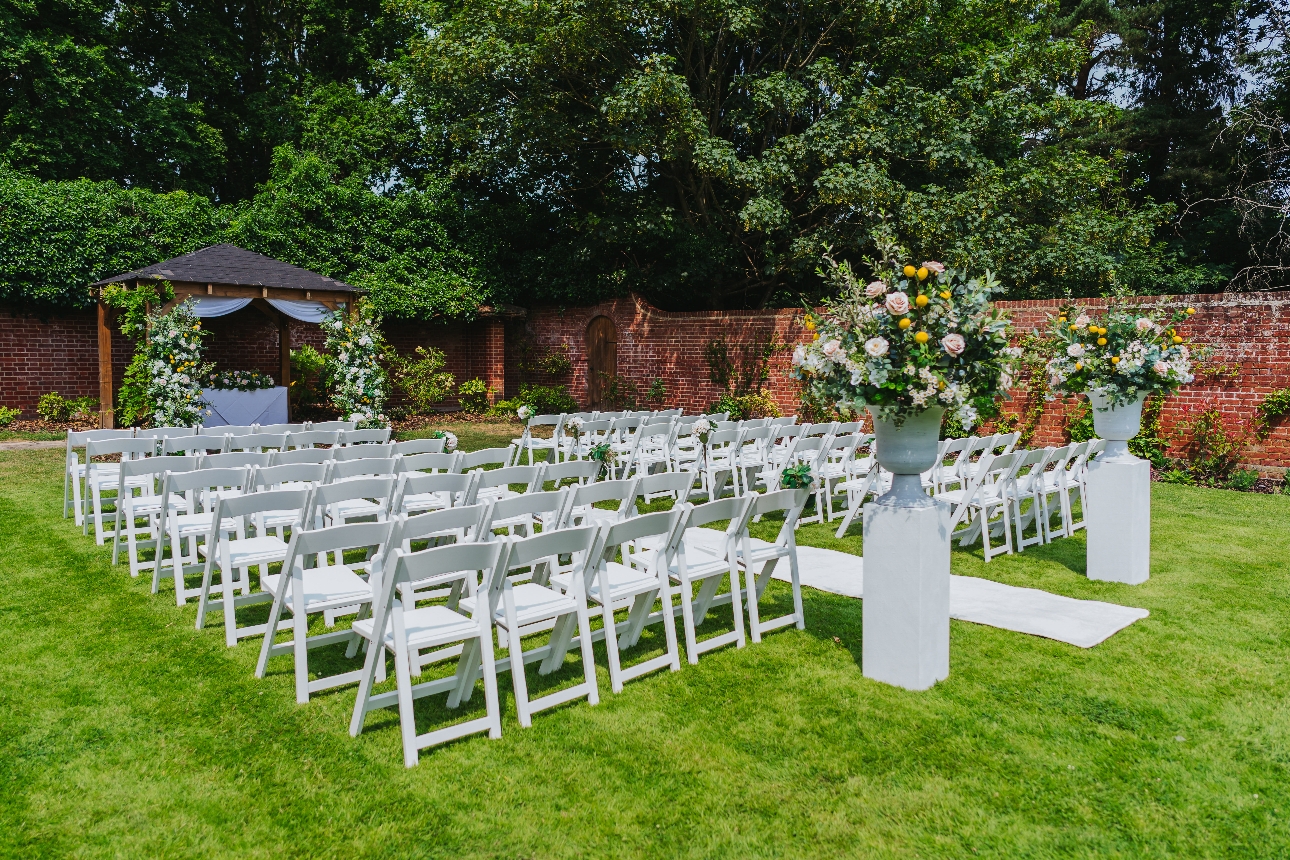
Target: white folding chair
[
  {"x": 419, "y": 492},
  {"x": 581, "y": 472},
  {"x": 408, "y": 631},
  {"x": 313, "y": 438},
  {"x": 720, "y": 459},
  {"x": 1027, "y": 484},
  {"x": 518, "y": 609},
  {"x": 697, "y": 567},
  {"x": 257, "y": 442},
  {"x": 332, "y": 426},
  {"x": 353, "y": 498},
  {"x": 202, "y": 487},
  {"x": 147, "y": 506},
  {"x": 280, "y": 428},
  {"x": 987, "y": 493},
  {"x": 237, "y": 460},
  {"x": 650, "y": 447},
  {"x": 430, "y": 462},
  {"x": 495, "y": 484},
  {"x": 759, "y": 558},
  {"x": 500, "y": 457},
  {"x": 290, "y": 476},
  {"x": 101, "y": 478},
  {"x": 366, "y": 451},
  {"x": 528, "y": 443},
  {"x": 227, "y": 429},
  {"x": 324, "y": 588},
  {"x": 526, "y": 512},
  {"x": 581, "y": 509},
  {"x": 464, "y": 524},
  {"x": 374, "y": 436},
  {"x": 234, "y": 556},
  {"x": 300, "y": 456}
]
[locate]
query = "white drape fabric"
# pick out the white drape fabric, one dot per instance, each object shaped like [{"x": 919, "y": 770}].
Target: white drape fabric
[
  {"x": 217, "y": 306},
  {"x": 310, "y": 312}
]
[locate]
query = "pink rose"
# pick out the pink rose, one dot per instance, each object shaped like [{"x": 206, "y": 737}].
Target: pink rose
[
  {"x": 934, "y": 267},
  {"x": 954, "y": 344},
  {"x": 875, "y": 289},
  {"x": 897, "y": 303}
]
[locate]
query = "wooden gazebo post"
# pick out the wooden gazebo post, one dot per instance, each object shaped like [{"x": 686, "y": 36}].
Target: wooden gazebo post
[{"x": 105, "y": 368}]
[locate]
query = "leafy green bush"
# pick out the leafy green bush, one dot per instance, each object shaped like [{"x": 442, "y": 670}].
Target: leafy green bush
[
  {"x": 1243, "y": 479},
  {"x": 8, "y": 415},
  {"x": 547, "y": 399},
  {"x": 306, "y": 392},
  {"x": 53, "y": 407},
  {"x": 133, "y": 408},
  {"x": 556, "y": 362},
  {"x": 422, "y": 378},
  {"x": 744, "y": 406},
  {"x": 473, "y": 395}
]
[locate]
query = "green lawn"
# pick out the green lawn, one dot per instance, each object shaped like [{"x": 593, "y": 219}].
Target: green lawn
[{"x": 128, "y": 733}]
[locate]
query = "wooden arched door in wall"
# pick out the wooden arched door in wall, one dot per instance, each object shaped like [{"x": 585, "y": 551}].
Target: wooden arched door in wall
[{"x": 602, "y": 359}]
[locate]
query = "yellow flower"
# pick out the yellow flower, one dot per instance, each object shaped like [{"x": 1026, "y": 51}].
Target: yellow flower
[
  {"x": 910, "y": 271},
  {"x": 1079, "y": 365},
  {"x": 922, "y": 273},
  {"x": 1190, "y": 311},
  {"x": 1101, "y": 341},
  {"x": 1115, "y": 359},
  {"x": 945, "y": 294},
  {"x": 815, "y": 336},
  {"x": 809, "y": 325},
  {"x": 940, "y": 385},
  {"x": 922, "y": 301},
  {"x": 904, "y": 323},
  {"x": 921, "y": 337},
  {"x": 1177, "y": 339},
  {"x": 1074, "y": 327}
]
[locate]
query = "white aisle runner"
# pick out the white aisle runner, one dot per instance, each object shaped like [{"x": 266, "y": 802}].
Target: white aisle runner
[{"x": 982, "y": 601}]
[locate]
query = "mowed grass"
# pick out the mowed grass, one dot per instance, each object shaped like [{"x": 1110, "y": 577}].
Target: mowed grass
[{"x": 125, "y": 732}]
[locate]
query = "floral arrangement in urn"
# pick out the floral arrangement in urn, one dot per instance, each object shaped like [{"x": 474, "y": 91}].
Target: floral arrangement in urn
[
  {"x": 916, "y": 337},
  {"x": 1121, "y": 356}
]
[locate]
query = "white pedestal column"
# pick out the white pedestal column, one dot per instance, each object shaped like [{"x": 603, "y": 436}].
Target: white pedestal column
[
  {"x": 1117, "y": 515},
  {"x": 907, "y": 594}
]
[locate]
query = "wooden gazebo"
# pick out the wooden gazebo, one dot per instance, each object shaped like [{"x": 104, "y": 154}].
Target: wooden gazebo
[{"x": 224, "y": 272}]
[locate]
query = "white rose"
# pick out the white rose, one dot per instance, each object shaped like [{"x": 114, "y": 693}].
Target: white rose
[
  {"x": 1075, "y": 350},
  {"x": 1160, "y": 367},
  {"x": 875, "y": 289},
  {"x": 876, "y": 346},
  {"x": 898, "y": 303},
  {"x": 524, "y": 412},
  {"x": 954, "y": 344},
  {"x": 702, "y": 426},
  {"x": 934, "y": 267},
  {"x": 1082, "y": 320},
  {"x": 449, "y": 442},
  {"x": 799, "y": 355},
  {"x": 1143, "y": 324},
  {"x": 831, "y": 347}
]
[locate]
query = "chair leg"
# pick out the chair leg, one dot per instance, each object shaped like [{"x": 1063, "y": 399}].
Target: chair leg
[
  {"x": 516, "y": 650},
  {"x": 407, "y": 718},
  {"x": 300, "y": 648}
]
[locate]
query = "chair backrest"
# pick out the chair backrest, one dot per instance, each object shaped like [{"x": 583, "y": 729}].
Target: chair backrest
[
  {"x": 380, "y": 487},
  {"x": 782, "y": 421},
  {"x": 402, "y": 567},
  {"x": 1033, "y": 463},
  {"x": 461, "y": 489},
  {"x": 363, "y": 452},
  {"x": 207, "y": 479},
  {"x": 606, "y": 491},
  {"x": 160, "y": 432},
  {"x": 421, "y": 446},
  {"x": 724, "y": 438},
  {"x": 733, "y": 508},
  {"x": 530, "y": 476},
  {"x": 756, "y": 434},
  {"x": 660, "y": 524},
  {"x": 824, "y": 429},
  {"x": 726, "y": 425},
  {"x": 655, "y": 427},
  {"x": 78, "y": 438},
  {"x": 281, "y": 428},
  {"x": 128, "y": 448},
  {"x": 545, "y": 420},
  {"x": 677, "y": 483},
  {"x": 541, "y": 548},
  {"x": 236, "y": 459},
  {"x": 598, "y": 427},
  {"x": 289, "y": 473},
  {"x": 753, "y": 423},
  {"x": 191, "y": 444},
  {"x": 581, "y": 471},
  {"x": 430, "y": 461},
  {"x": 348, "y": 469},
  {"x": 488, "y": 457},
  {"x": 467, "y": 519},
  {"x": 791, "y": 502},
  {"x": 372, "y": 436},
  {"x": 301, "y": 455},
  {"x": 714, "y": 417},
  {"x": 333, "y": 425},
  {"x": 155, "y": 466},
  {"x": 258, "y": 503},
  {"x": 1006, "y": 441},
  {"x": 530, "y": 504},
  {"x": 310, "y": 438},
  {"x": 312, "y": 542},
  {"x": 257, "y": 442},
  {"x": 227, "y": 429}
]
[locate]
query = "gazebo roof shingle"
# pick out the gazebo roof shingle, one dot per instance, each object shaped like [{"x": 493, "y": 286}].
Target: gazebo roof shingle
[{"x": 229, "y": 264}]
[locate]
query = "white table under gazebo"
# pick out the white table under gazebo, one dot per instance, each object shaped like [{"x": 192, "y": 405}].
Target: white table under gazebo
[{"x": 223, "y": 279}]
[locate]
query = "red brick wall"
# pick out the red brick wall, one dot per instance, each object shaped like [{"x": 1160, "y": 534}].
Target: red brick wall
[{"x": 53, "y": 354}]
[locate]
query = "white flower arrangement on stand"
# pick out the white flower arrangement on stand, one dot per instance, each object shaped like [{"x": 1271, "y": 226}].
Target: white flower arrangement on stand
[
  {"x": 174, "y": 354},
  {"x": 358, "y": 382}
]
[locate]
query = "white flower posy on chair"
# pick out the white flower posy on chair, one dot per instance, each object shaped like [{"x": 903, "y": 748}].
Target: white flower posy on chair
[{"x": 914, "y": 338}]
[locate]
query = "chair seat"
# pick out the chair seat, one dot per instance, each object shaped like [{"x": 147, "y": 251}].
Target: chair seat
[
  {"x": 354, "y": 508},
  {"x": 142, "y": 506},
  {"x": 198, "y": 524},
  {"x": 113, "y": 480},
  {"x": 252, "y": 551},
  {"x": 421, "y": 502},
  {"x": 277, "y": 519},
  {"x": 984, "y": 495},
  {"x": 332, "y": 585},
  {"x": 533, "y": 603},
  {"x": 427, "y": 625},
  {"x": 495, "y": 494},
  {"x": 623, "y": 582}
]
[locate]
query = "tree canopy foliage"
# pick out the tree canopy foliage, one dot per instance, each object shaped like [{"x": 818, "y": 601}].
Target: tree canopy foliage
[{"x": 447, "y": 153}]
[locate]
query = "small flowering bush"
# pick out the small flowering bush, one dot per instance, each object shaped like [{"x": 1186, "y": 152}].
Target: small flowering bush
[
  {"x": 358, "y": 382},
  {"x": 237, "y": 380},
  {"x": 175, "y": 368},
  {"x": 1125, "y": 354},
  {"x": 913, "y": 338}
]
